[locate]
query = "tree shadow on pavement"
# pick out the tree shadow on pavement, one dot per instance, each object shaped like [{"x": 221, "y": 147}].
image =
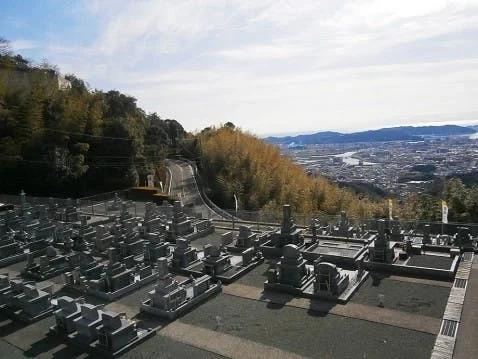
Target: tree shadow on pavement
[
  {"x": 10, "y": 326},
  {"x": 44, "y": 345}
]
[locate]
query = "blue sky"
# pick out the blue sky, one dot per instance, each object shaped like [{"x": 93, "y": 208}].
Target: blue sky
[{"x": 269, "y": 66}]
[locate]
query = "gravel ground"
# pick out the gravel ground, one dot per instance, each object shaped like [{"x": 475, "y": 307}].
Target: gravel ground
[
  {"x": 10, "y": 351},
  {"x": 257, "y": 276},
  {"x": 16, "y": 266},
  {"x": 306, "y": 333},
  {"x": 135, "y": 298},
  {"x": 69, "y": 292},
  {"x": 291, "y": 329},
  {"x": 430, "y": 261},
  {"x": 34, "y": 340},
  {"x": 38, "y": 344},
  {"x": 213, "y": 238},
  {"x": 408, "y": 297},
  {"x": 56, "y": 279},
  {"x": 165, "y": 348}
]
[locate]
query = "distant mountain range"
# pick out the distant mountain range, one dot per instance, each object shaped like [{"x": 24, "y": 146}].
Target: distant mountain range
[{"x": 404, "y": 133}]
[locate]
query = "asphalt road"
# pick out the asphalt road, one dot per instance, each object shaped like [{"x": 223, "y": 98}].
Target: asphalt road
[{"x": 183, "y": 185}]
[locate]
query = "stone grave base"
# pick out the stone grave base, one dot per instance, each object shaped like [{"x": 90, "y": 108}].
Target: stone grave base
[
  {"x": 24, "y": 317},
  {"x": 270, "y": 251},
  {"x": 142, "y": 335},
  {"x": 194, "y": 269},
  {"x": 111, "y": 296},
  {"x": 44, "y": 276},
  {"x": 199, "y": 234},
  {"x": 234, "y": 272},
  {"x": 285, "y": 288},
  {"x": 55, "y": 332},
  {"x": 12, "y": 259},
  {"x": 307, "y": 290},
  {"x": 172, "y": 314},
  {"x": 413, "y": 271}
]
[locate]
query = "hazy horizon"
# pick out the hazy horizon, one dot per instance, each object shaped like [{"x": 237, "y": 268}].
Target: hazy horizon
[
  {"x": 464, "y": 123},
  {"x": 269, "y": 67}
]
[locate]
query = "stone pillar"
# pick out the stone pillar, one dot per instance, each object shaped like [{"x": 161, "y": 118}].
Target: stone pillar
[
  {"x": 162, "y": 268},
  {"x": 426, "y": 234},
  {"x": 381, "y": 226},
  {"x": 286, "y": 212},
  {"x": 113, "y": 255},
  {"x": 177, "y": 207},
  {"x": 124, "y": 208},
  {"x": 22, "y": 201}
]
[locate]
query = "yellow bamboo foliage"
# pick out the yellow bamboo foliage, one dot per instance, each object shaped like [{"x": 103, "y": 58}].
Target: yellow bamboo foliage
[{"x": 235, "y": 162}]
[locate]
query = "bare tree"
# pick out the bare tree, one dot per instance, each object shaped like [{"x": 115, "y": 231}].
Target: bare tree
[{"x": 5, "y": 47}]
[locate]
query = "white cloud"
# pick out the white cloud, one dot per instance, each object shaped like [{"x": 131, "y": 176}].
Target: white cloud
[
  {"x": 256, "y": 52},
  {"x": 348, "y": 99},
  {"x": 278, "y": 65},
  {"x": 22, "y": 44},
  {"x": 392, "y": 22},
  {"x": 248, "y": 29},
  {"x": 164, "y": 26}
]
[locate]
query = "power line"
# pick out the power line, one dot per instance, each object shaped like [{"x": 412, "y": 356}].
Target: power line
[
  {"x": 80, "y": 134},
  {"x": 99, "y": 165},
  {"x": 91, "y": 136}
]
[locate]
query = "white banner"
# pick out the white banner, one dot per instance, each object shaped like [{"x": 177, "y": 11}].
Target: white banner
[
  {"x": 235, "y": 202},
  {"x": 444, "y": 212},
  {"x": 150, "y": 180},
  {"x": 390, "y": 209}
]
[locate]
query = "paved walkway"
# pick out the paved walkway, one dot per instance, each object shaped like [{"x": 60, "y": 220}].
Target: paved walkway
[
  {"x": 222, "y": 343},
  {"x": 121, "y": 308},
  {"x": 466, "y": 345},
  {"x": 11, "y": 273},
  {"x": 453, "y": 317},
  {"x": 392, "y": 317},
  {"x": 436, "y": 283},
  {"x": 30, "y": 340}
]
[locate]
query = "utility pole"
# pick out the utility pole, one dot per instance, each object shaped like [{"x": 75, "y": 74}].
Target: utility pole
[{"x": 234, "y": 217}]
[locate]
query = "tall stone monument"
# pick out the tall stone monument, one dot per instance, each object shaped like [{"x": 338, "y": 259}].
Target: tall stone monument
[
  {"x": 289, "y": 233},
  {"x": 381, "y": 249}
]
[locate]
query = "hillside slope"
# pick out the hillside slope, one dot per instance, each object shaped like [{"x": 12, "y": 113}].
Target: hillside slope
[
  {"x": 405, "y": 133},
  {"x": 234, "y": 162},
  {"x": 60, "y": 138}
]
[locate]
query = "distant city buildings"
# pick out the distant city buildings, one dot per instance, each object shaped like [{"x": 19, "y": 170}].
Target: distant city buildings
[{"x": 399, "y": 168}]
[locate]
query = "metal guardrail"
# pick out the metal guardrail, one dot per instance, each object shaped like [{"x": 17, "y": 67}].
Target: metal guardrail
[
  {"x": 221, "y": 212},
  {"x": 16, "y": 200},
  {"x": 99, "y": 204},
  {"x": 107, "y": 196},
  {"x": 304, "y": 220}
]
